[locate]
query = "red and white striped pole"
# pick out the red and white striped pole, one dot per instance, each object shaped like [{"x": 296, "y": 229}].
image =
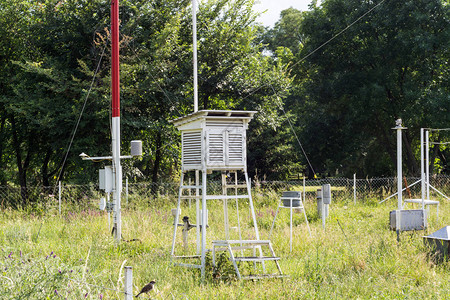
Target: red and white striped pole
[{"x": 115, "y": 102}]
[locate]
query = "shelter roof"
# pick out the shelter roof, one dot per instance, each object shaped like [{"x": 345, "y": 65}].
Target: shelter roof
[{"x": 214, "y": 114}]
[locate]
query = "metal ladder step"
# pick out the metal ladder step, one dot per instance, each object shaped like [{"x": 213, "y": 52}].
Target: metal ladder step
[
  {"x": 232, "y": 245},
  {"x": 236, "y": 186},
  {"x": 256, "y": 258},
  {"x": 186, "y": 187},
  {"x": 263, "y": 276}
]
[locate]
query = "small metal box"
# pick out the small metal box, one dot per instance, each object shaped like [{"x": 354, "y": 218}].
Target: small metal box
[
  {"x": 136, "y": 148},
  {"x": 326, "y": 194},
  {"x": 295, "y": 196},
  {"x": 105, "y": 179},
  {"x": 411, "y": 219}
]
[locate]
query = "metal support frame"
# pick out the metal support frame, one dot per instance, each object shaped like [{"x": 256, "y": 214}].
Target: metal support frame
[
  {"x": 398, "y": 223},
  {"x": 230, "y": 246},
  {"x": 203, "y": 195},
  {"x": 280, "y": 205},
  {"x": 424, "y": 175}
]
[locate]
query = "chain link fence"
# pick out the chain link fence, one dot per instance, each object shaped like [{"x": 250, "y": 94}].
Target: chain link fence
[{"x": 87, "y": 196}]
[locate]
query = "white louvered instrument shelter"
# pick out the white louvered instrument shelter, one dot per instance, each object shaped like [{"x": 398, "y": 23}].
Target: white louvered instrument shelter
[{"x": 214, "y": 139}]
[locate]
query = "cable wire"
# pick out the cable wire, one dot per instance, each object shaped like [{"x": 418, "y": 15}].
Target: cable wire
[
  {"x": 323, "y": 44},
  {"x": 338, "y": 34},
  {"x": 293, "y": 130},
  {"x": 79, "y": 117}
]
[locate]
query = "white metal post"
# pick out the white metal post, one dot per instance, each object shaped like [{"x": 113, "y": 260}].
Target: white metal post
[
  {"x": 399, "y": 168},
  {"x": 117, "y": 170},
  {"x": 237, "y": 209},
  {"x": 304, "y": 189},
  {"x": 203, "y": 223},
  {"x": 128, "y": 283},
  {"x": 427, "y": 163},
  {"x": 194, "y": 44},
  {"x": 108, "y": 199},
  {"x": 323, "y": 214},
  {"x": 290, "y": 229},
  {"x": 126, "y": 188},
  {"x": 250, "y": 200},
  {"x": 197, "y": 209},
  {"x": 398, "y": 220},
  {"x": 225, "y": 207},
  {"x": 189, "y": 192},
  {"x": 354, "y": 188},
  {"x": 177, "y": 215},
  {"x": 422, "y": 167},
  {"x": 59, "y": 196}
]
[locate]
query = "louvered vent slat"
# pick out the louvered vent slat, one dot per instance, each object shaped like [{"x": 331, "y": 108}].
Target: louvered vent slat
[
  {"x": 235, "y": 147},
  {"x": 191, "y": 150},
  {"x": 216, "y": 147},
  {"x": 222, "y": 124}
]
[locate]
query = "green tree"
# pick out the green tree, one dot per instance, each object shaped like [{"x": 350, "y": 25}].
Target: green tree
[
  {"x": 286, "y": 32},
  {"x": 391, "y": 64}
]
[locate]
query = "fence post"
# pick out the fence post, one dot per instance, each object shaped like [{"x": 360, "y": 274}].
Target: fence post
[
  {"x": 128, "y": 283},
  {"x": 354, "y": 188},
  {"x": 304, "y": 189},
  {"x": 59, "y": 196},
  {"x": 126, "y": 189}
]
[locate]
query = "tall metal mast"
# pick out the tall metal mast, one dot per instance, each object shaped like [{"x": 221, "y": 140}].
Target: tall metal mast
[
  {"x": 115, "y": 102},
  {"x": 194, "y": 51}
]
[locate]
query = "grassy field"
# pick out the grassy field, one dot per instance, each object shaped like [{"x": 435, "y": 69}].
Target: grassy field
[{"x": 47, "y": 256}]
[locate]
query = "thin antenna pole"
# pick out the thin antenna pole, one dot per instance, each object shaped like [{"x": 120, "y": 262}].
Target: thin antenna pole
[
  {"x": 399, "y": 168},
  {"x": 422, "y": 167},
  {"x": 427, "y": 163},
  {"x": 398, "y": 220},
  {"x": 194, "y": 43}
]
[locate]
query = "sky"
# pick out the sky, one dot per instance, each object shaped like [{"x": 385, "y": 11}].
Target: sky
[{"x": 274, "y": 7}]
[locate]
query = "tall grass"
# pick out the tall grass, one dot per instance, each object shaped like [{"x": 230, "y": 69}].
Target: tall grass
[{"x": 47, "y": 256}]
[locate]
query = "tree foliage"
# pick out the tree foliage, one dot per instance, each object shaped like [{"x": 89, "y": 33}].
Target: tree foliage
[
  {"x": 341, "y": 90},
  {"x": 52, "y": 49},
  {"x": 353, "y": 84}
]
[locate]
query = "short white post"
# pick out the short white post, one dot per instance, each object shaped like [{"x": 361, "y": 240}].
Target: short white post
[
  {"x": 427, "y": 163},
  {"x": 323, "y": 215},
  {"x": 128, "y": 283},
  {"x": 290, "y": 232},
  {"x": 225, "y": 207},
  {"x": 304, "y": 189},
  {"x": 59, "y": 196},
  {"x": 109, "y": 214},
  {"x": 354, "y": 188},
  {"x": 197, "y": 210},
  {"x": 189, "y": 193},
  {"x": 126, "y": 189}
]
